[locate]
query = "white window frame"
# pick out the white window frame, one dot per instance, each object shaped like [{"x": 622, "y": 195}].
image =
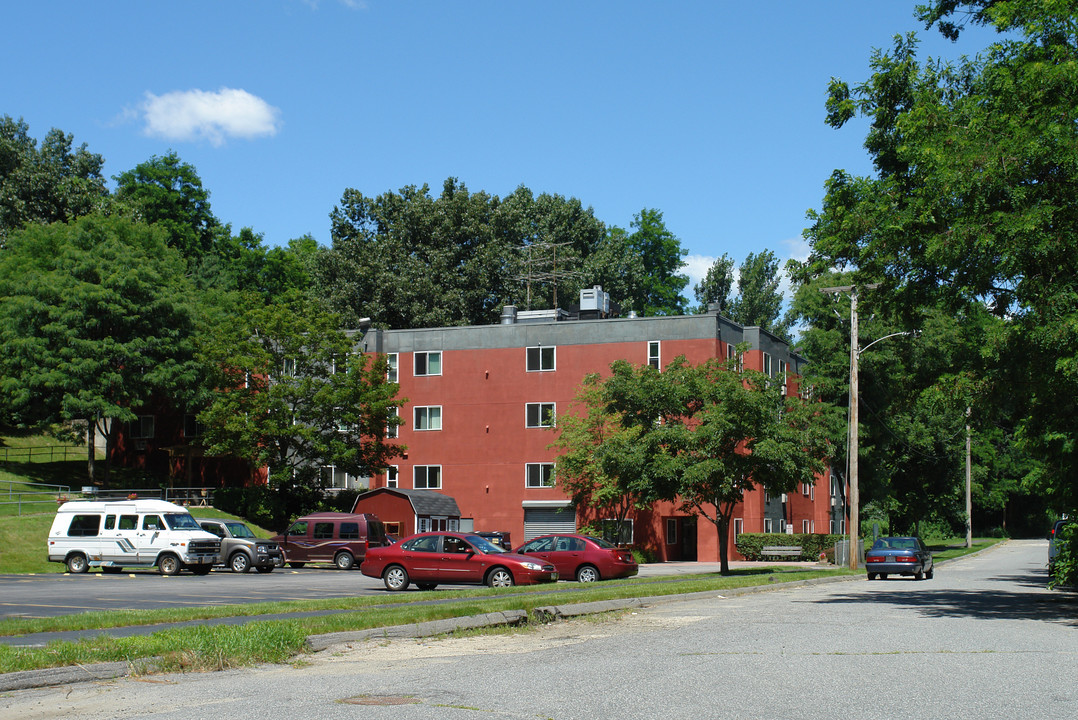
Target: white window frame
[
  {"x": 392, "y": 476},
  {"x": 542, "y": 416},
  {"x": 806, "y": 527},
  {"x": 540, "y": 352},
  {"x": 392, "y": 370},
  {"x": 432, "y": 415},
  {"x": 392, "y": 431},
  {"x": 543, "y": 476},
  {"x": 766, "y": 364},
  {"x": 622, "y": 538},
  {"x": 671, "y": 531},
  {"x": 426, "y": 355},
  {"x": 426, "y": 471},
  {"x": 768, "y": 525},
  {"x": 655, "y": 354},
  {"x": 144, "y": 427},
  {"x": 739, "y": 527}
]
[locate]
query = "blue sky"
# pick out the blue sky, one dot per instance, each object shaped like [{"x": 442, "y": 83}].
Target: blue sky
[{"x": 711, "y": 112}]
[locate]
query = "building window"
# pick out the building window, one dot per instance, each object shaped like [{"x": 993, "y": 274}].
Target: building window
[
  {"x": 392, "y": 528},
  {"x": 391, "y": 429},
  {"x": 428, "y": 418},
  {"x": 288, "y": 368},
  {"x": 805, "y": 527},
  {"x": 428, "y": 363},
  {"x": 671, "y": 531},
  {"x": 539, "y": 475},
  {"x": 143, "y": 427},
  {"x": 739, "y": 527},
  {"x": 767, "y": 525},
  {"x": 391, "y": 367},
  {"x": 539, "y": 415},
  {"x": 541, "y": 359},
  {"x": 767, "y": 365},
  {"x": 805, "y": 488},
  {"x": 619, "y": 532},
  {"x": 192, "y": 428},
  {"x": 427, "y": 477},
  {"x": 391, "y": 476},
  {"x": 653, "y": 354}
]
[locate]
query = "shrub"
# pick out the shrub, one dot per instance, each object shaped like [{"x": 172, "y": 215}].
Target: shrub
[
  {"x": 812, "y": 544},
  {"x": 1065, "y": 571}
]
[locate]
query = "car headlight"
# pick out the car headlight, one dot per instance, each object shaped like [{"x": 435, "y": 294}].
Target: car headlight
[{"x": 532, "y": 566}]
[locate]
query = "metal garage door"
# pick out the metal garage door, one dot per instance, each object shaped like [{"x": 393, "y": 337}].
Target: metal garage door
[{"x": 546, "y": 520}]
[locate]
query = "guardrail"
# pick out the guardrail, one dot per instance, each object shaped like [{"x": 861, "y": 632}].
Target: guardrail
[
  {"x": 33, "y": 495},
  {"x": 42, "y": 453},
  {"x": 49, "y": 495}
]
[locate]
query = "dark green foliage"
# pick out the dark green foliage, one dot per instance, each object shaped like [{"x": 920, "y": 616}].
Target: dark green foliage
[
  {"x": 812, "y": 544},
  {"x": 50, "y": 183}
]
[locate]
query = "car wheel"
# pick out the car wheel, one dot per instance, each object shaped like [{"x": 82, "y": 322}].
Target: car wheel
[
  {"x": 344, "y": 561},
  {"x": 77, "y": 563},
  {"x": 919, "y": 575},
  {"x": 587, "y": 573},
  {"x": 931, "y": 573},
  {"x": 265, "y": 568},
  {"x": 396, "y": 578},
  {"x": 426, "y": 586},
  {"x": 872, "y": 576},
  {"x": 239, "y": 562},
  {"x": 500, "y": 577},
  {"x": 883, "y": 576},
  {"x": 278, "y": 561},
  {"x": 296, "y": 564},
  {"x": 168, "y": 565}
]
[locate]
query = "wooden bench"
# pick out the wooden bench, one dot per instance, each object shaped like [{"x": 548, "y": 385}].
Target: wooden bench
[{"x": 780, "y": 551}]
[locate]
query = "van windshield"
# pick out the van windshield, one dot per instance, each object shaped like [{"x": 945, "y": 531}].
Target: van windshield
[{"x": 181, "y": 521}]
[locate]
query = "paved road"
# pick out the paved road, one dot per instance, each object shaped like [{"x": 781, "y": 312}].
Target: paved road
[{"x": 982, "y": 640}]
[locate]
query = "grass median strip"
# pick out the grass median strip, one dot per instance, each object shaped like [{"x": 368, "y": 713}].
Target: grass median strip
[{"x": 211, "y": 647}]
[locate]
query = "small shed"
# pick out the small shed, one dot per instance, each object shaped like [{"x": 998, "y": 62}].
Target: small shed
[{"x": 405, "y": 512}]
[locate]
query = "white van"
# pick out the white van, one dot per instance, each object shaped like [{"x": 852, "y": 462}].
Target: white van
[{"x": 131, "y": 534}]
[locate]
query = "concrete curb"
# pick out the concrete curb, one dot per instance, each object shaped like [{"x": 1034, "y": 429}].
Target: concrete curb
[{"x": 69, "y": 674}]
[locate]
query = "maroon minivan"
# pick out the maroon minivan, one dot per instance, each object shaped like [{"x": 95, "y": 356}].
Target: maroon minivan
[{"x": 331, "y": 537}]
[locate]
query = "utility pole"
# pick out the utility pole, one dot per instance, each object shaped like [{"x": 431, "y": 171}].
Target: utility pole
[
  {"x": 969, "y": 484},
  {"x": 855, "y": 499}
]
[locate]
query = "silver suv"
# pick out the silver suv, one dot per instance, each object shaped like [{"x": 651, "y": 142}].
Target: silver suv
[{"x": 240, "y": 549}]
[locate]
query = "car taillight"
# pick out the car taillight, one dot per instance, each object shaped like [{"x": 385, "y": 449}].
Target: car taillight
[
  {"x": 873, "y": 558},
  {"x": 905, "y": 558}
]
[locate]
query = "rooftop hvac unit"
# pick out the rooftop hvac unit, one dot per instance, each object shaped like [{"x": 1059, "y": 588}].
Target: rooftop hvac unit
[{"x": 595, "y": 299}]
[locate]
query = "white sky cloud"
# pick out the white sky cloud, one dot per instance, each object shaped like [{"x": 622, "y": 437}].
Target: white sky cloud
[
  {"x": 214, "y": 116},
  {"x": 696, "y": 266}
]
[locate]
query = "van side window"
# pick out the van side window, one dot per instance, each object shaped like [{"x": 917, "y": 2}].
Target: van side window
[
  {"x": 84, "y": 526},
  {"x": 323, "y": 530},
  {"x": 152, "y": 522},
  {"x": 110, "y": 522},
  {"x": 349, "y": 531},
  {"x": 128, "y": 522},
  {"x": 298, "y": 528}
]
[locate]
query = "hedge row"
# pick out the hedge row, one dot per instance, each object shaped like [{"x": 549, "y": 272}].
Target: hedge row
[{"x": 812, "y": 544}]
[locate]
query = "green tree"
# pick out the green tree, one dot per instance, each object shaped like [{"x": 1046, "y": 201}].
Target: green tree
[
  {"x": 657, "y": 291},
  {"x": 971, "y": 203},
  {"x": 735, "y": 431},
  {"x": 95, "y": 321},
  {"x": 49, "y": 184},
  {"x": 292, "y": 394},
  {"x": 759, "y": 301},
  {"x": 716, "y": 286},
  {"x": 168, "y": 192}
]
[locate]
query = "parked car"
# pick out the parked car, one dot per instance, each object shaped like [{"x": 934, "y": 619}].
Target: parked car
[
  {"x": 1053, "y": 543},
  {"x": 431, "y": 558},
  {"x": 899, "y": 556},
  {"x": 240, "y": 549},
  {"x": 501, "y": 539},
  {"x": 332, "y": 537},
  {"x": 581, "y": 556},
  {"x": 132, "y": 534}
]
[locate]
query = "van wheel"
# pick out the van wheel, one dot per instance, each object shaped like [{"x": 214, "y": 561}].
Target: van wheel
[
  {"x": 396, "y": 578},
  {"x": 265, "y": 568},
  {"x": 168, "y": 565},
  {"x": 77, "y": 563},
  {"x": 201, "y": 569},
  {"x": 344, "y": 561},
  {"x": 239, "y": 562},
  {"x": 296, "y": 564}
]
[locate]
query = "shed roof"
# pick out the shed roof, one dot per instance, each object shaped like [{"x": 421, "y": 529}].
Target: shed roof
[{"x": 424, "y": 502}]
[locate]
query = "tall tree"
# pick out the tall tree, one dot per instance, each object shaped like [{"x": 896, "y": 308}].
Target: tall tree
[
  {"x": 716, "y": 286},
  {"x": 659, "y": 288},
  {"x": 95, "y": 320},
  {"x": 53, "y": 183},
  {"x": 972, "y": 199},
  {"x": 168, "y": 192},
  {"x": 292, "y": 394},
  {"x": 759, "y": 301}
]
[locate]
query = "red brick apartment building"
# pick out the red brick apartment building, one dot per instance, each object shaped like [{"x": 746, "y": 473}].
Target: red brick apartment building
[{"x": 481, "y": 399}]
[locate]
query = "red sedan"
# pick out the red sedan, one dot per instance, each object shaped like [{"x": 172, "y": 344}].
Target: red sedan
[
  {"x": 431, "y": 558},
  {"x": 581, "y": 556}
]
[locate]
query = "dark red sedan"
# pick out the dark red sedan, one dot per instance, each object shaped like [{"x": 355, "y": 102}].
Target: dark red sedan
[
  {"x": 431, "y": 558},
  {"x": 581, "y": 556}
]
